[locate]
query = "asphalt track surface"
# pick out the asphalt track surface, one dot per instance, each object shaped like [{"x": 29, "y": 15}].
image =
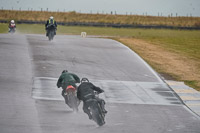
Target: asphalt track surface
[{"x": 138, "y": 101}]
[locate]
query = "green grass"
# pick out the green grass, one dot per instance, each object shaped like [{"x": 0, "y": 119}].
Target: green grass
[
  {"x": 3, "y": 28},
  {"x": 31, "y": 28},
  {"x": 180, "y": 41}
]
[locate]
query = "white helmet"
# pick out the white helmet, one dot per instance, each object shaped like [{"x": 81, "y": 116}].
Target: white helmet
[
  {"x": 12, "y": 21},
  {"x": 51, "y": 17}
]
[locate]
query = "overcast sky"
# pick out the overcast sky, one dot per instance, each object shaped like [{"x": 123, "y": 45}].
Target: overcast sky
[{"x": 140, "y": 7}]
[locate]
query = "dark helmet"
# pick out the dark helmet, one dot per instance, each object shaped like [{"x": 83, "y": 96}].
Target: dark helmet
[
  {"x": 84, "y": 80},
  {"x": 64, "y": 71}
]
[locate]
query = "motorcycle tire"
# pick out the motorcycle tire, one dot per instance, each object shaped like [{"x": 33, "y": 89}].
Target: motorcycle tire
[
  {"x": 97, "y": 115},
  {"x": 73, "y": 102},
  {"x": 51, "y": 35}
]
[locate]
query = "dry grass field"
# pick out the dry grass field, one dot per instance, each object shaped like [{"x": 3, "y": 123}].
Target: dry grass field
[{"x": 100, "y": 18}]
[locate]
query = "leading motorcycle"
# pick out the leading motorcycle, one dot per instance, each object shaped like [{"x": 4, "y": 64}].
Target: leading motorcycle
[{"x": 71, "y": 98}]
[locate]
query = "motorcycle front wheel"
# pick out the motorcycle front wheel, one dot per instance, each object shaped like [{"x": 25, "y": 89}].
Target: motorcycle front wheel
[{"x": 51, "y": 35}]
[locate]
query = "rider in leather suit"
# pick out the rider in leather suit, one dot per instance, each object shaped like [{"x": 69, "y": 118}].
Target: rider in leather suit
[
  {"x": 67, "y": 79},
  {"x": 85, "y": 91}
]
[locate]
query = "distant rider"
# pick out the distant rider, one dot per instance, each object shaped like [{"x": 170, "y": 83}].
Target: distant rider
[
  {"x": 12, "y": 25},
  {"x": 85, "y": 92},
  {"x": 67, "y": 79},
  {"x": 49, "y": 22}
]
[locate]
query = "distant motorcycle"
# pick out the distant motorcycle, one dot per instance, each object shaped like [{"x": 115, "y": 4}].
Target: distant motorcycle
[
  {"x": 96, "y": 110},
  {"x": 51, "y": 30},
  {"x": 70, "y": 96},
  {"x": 12, "y": 28}
]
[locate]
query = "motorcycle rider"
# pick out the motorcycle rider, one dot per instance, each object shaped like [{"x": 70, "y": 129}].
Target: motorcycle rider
[
  {"x": 65, "y": 80},
  {"x": 51, "y": 21},
  {"x": 86, "y": 91},
  {"x": 11, "y": 25}
]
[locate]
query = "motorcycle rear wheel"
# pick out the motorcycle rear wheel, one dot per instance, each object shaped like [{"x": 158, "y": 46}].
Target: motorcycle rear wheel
[
  {"x": 97, "y": 116},
  {"x": 73, "y": 102}
]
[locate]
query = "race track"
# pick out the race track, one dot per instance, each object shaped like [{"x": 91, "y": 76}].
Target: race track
[{"x": 136, "y": 98}]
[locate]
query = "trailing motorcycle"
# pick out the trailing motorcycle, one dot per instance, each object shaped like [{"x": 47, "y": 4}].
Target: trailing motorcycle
[
  {"x": 70, "y": 98},
  {"x": 96, "y": 111},
  {"x": 51, "y": 30},
  {"x": 12, "y": 28}
]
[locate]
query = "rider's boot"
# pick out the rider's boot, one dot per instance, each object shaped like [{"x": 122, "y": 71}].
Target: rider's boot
[
  {"x": 104, "y": 110},
  {"x": 90, "y": 116},
  {"x": 103, "y": 106},
  {"x": 87, "y": 111}
]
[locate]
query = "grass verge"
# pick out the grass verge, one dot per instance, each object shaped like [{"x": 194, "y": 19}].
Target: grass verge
[
  {"x": 3, "y": 28},
  {"x": 172, "y": 53},
  {"x": 170, "y": 63}
]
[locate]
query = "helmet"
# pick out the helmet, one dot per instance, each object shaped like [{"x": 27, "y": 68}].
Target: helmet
[
  {"x": 51, "y": 17},
  {"x": 12, "y": 21},
  {"x": 84, "y": 80},
  {"x": 64, "y": 71}
]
